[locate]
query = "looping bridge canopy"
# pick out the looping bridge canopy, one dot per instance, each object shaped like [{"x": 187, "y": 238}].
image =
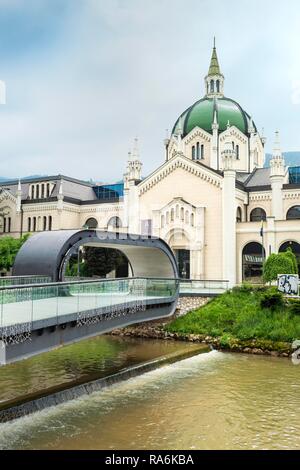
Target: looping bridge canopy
[{"x": 47, "y": 253}]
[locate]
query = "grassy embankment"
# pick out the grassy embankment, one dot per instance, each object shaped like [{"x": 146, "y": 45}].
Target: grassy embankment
[{"x": 244, "y": 317}]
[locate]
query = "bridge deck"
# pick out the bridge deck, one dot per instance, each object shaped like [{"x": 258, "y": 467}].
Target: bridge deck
[{"x": 54, "y": 309}]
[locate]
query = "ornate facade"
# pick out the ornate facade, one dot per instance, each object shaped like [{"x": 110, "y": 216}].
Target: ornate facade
[{"x": 212, "y": 200}]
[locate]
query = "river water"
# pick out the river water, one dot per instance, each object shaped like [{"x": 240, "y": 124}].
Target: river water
[{"x": 213, "y": 400}]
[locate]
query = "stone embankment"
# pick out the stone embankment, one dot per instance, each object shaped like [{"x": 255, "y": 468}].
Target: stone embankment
[{"x": 158, "y": 330}]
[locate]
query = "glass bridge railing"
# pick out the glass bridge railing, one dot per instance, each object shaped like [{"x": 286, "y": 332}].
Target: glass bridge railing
[
  {"x": 202, "y": 287},
  {"x": 6, "y": 281},
  {"x": 26, "y": 304}
]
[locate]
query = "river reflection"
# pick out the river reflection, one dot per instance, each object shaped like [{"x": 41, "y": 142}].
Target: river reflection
[{"x": 211, "y": 401}]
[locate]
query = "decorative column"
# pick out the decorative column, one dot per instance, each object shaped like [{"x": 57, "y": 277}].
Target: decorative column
[
  {"x": 19, "y": 206},
  {"x": 277, "y": 178},
  {"x": 229, "y": 212},
  {"x": 60, "y": 205},
  {"x": 214, "y": 141},
  {"x": 131, "y": 195}
]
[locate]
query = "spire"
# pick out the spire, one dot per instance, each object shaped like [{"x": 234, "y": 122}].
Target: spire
[
  {"x": 214, "y": 80},
  {"x": 277, "y": 147},
  {"x": 135, "y": 152},
  {"x": 277, "y": 163},
  {"x": 134, "y": 165},
  {"x": 214, "y": 68},
  {"x": 60, "y": 192},
  {"x": 19, "y": 186},
  {"x": 228, "y": 153}
]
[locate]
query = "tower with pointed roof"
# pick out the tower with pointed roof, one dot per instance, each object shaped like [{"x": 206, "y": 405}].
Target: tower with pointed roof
[
  {"x": 277, "y": 176},
  {"x": 214, "y": 80}
]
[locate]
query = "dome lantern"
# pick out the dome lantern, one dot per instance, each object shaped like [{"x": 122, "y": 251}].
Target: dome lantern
[{"x": 214, "y": 80}]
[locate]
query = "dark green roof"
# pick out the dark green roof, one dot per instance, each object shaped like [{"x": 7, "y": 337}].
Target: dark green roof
[{"x": 201, "y": 114}]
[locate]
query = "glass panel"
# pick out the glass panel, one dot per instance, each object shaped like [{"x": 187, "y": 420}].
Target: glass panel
[
  {"x": 44, "y": 302},
  {"x": 16, "y": 306},
  {"x": 67, "y": 299}
]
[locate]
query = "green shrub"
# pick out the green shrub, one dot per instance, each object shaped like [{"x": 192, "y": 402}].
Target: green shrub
[
  {"x": 271, "y": 299},
  {"x": 225, "y": 340},
  {"x": 244, "y": 287},
  {"x": 294, "y": 306},
  {"x": 277, "y": 263}
]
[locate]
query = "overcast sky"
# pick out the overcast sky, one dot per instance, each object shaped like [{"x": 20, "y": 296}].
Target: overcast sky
[{"x": 84, "y": 77}]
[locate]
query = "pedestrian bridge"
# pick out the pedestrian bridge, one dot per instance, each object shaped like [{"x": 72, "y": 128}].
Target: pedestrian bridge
[{"x": 37, "y": 317}]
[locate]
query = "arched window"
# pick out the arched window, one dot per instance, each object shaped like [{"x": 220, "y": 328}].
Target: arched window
[
  {"x": 177, "y": 211},
  {"x": 192, "y": 220},
  {"x": 162, "y": 221},
  {"x": 44, "y": 223},
  {"x": 43, "y": 191},
  {"x": 186, "y": 217},
  {"x": 37, "y": 191},
  {"x": 293, "y": 213},
  {"x": 91, "y": 223},
  {"x": 182, "y": 213},
  {"x": 34, "y": 224},
  {"x": 202, "y": 152},
  {"x": 294, "y": 246},
  {"x": 50, "y": 222},
  {"x": 239, "y": 214},
  {"x": 172, "y": 215},
  {"x": 237, "y": 152},
  {"x": 48, "y": 189},
  {"x": 212, "y": 86},
  {"x": 32, "y": 192},
  {"x": 257, "y": 215},
  {"x": 9, "y": 224},
  {"x": 218, "y": 86},
  {"x": 4, "y": 224},
  {"x": 114, "y": 222},
  {"x": 233, "y": 145},
  {"x": 193, "y": 152},
  {"x": 197, "y": 151},
  {"x": 252, "y": 258},
  {"x": 29, "y": 224}
]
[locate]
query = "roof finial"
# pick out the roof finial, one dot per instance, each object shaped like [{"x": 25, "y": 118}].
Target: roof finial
[
  {"x": 135, "y": 152},
  {"x": 214, "y": 42},
  {"x": 277, "y": 147}
]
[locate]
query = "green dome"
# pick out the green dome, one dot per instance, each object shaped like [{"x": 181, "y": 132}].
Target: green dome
[{"x": 201, "y": 114}]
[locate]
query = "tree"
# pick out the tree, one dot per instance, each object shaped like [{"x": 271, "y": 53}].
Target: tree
[
  {"x": 9, "y": 248},
  {"x": 278, "y": 263},
  {"x": 100, "y": 261},
  {"x": 289, "y": 252}
]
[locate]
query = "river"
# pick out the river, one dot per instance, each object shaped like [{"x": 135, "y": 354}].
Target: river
[{"x": 213, "y": 400}]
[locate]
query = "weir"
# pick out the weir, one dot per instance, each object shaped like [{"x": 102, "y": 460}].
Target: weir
[{"x": 38, "y": 317}]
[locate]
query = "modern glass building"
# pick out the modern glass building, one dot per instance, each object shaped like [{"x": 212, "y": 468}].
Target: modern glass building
[{"x": 109, "y": 191}]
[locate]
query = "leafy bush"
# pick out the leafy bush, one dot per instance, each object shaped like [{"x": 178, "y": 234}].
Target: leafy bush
[
  {"x": 271, "y": 299},
  {"x": 244, "y": 287},
  {"x": 294, "y": 306},
  {"x": 277, "y": 263}
]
